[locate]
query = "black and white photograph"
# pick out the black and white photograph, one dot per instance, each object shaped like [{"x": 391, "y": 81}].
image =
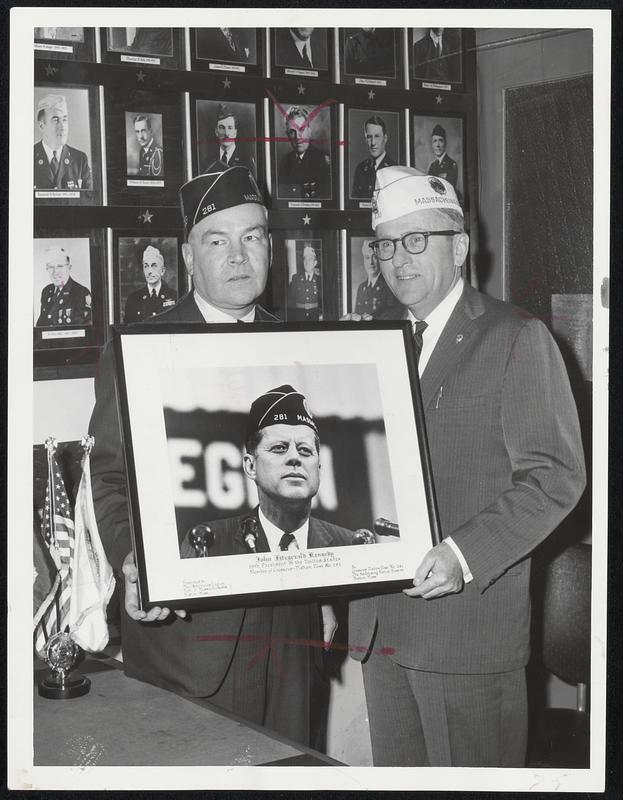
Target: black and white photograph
[
  {"x": 64, "y": 43},
  {"x": 303, "y": 150},
  {"x": 369, "y": 293},
  {"x": 57, "y": 34},
  {"x": 436, "y": 56},
  {"x": 230, "y": 49},
  {"x": 301, "y": 52},
  {"x": 438, "y": 149},
  {"x": 375, "y": 140},
  {"x": 226, "y": 131},
  {"x": 148, "y": 276},
  {"x": 157, "y": 46},
  {"x": 304, "y": 280},
  {"x": 371, "y": 56},
  {"x": 144, "y": 151}
]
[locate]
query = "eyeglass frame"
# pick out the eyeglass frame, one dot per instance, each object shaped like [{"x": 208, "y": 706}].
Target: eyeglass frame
[{"x": 401, "y": 239}]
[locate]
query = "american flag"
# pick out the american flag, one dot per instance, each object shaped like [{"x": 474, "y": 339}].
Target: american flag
[{"x": 58, "y": 535}]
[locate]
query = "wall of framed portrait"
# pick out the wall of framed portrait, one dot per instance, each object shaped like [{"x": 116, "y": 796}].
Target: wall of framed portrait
[{"x": 124, "y": 116}]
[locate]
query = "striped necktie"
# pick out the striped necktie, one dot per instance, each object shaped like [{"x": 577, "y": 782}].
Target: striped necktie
[{"x": 419, "y": 326}]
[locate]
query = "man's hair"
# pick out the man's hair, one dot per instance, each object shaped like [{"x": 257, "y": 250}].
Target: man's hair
[
  {"x": 222, "y": 112},
  {"x": 296, "y": 111},
  {"x": 458, "y": 223},
  {"x": 255, "y": 438},
  {"x": 375, "y": 120},
  {"x": 143, "y": 118}
]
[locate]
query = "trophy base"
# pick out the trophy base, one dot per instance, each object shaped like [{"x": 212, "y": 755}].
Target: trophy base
[{"x": 73, "y": 687}]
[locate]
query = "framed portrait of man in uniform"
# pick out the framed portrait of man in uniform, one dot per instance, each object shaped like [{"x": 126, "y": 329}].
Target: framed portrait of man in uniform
[
  {"x": 69, "y": 44},
  {"x": 68, "y": 299},
  {"x": 149, "y": 277},
  {"x": 437, "y": 147},
  {"x": 371, "y": 56},
  {"x": 301, "y": 52},
  {"x": 157, "y": 47},
  {"x": 236, "y": 50},
  {"x": 66, "y": 149},
  {"x": 144, "y": 151},
  {"x": 367, "y": 291},
  {"x": 375, "y": 140},
  {"x": 436, "y": 57}
]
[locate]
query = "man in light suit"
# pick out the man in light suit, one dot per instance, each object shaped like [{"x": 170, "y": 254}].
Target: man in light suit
[
  {"x": 223, "y": 205},
  {"x": 57, "y": 165},
  {"x": 507, "y": 466}
]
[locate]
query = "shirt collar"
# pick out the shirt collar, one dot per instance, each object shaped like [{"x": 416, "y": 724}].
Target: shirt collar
[
  {"x": 274, "y": 534},
  {"x": 436, "y": 39},
  {"x": 372, "y": 281},
  {"x": 436, "y": 322},
  {"x": 50, "y": 153},
  {"x": 149, "y": 144},
  {"x": 157, "y": 287},
  {"x": 212, "y": 314},
  {"x": 378, "y": 160}
]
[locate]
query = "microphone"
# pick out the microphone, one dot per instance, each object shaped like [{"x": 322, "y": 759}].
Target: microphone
[
  {"x": 201, "y": 538},
  {"x": 249, "y": 530},
  {"x": 383, "y": 527},
  {"x": 363, "y": 536}
]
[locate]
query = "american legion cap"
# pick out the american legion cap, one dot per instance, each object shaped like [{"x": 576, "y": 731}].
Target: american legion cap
[
  {"x": 280, "y": 406},
  {"x": 218, "y": 188}
]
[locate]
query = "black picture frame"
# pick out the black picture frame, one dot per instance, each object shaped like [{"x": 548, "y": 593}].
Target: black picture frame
[
  {"x": 128, "y": 275},
  {"x": 166, "y": 111},
  {"x": 360, "y": 172},
  {"x": 371, "y": 57},
  {"x": 211, "y": 51},
  {"x": 287, "y": 62},
  {"x": 425, "y": 143},
  {"x": 172, "y": 364},
  {"x": 80, "y": 159},
  {"x": 69, "y": 329},
  {"x": 430, "y": 71},
  {"x": 66, "y": 44},
  {"x": 149, "y": 47}
]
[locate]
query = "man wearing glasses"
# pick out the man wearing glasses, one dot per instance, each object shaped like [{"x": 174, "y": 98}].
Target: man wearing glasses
[
  {"x": 508, "y": 467},
  {"x": 64, "y": 301}
]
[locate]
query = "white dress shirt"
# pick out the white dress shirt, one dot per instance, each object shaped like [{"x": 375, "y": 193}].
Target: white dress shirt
[
  {"x": 212, "y": 314},
  {"x": 50, "y": 153},
  {"x": 274, "y": 534},
  {"x": 155, "y": 288}
]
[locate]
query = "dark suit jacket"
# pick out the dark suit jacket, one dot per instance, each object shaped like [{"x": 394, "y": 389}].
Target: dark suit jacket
[
  {"x": 365, "y": 177},
  {"x": 140, "y": 305},
  {"x": 309, "y": 177},
  {"x": 446, "y": 169},
  {"x": 72, "y": 306},
  {"x": 427, "y": 65},
  {"x": 212, "y": 44},
  {"x": 375, "y": 300},
  {"x": 287, "y": 54},
  {"x": 73, "y": 173},
  {"x": 508, "y": 467},
  {"x": 371, "y": 53}
]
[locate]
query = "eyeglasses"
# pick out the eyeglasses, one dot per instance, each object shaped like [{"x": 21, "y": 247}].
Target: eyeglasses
[{"x": 413, "y": 243}]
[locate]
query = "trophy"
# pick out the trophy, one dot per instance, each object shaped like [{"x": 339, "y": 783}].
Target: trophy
[{"x": 60, "y": 654}]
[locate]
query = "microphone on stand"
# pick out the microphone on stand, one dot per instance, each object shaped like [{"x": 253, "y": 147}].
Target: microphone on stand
[
  {"x": 201, "y": 539},
  {"x": 249, "y": 530},
  {"x": 383, "y": 527}
]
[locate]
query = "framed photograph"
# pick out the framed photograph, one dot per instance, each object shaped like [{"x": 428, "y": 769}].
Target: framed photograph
[
  {"x": 371, "y": 56},
  {"x": 150, "y": 275},
  {"x": 144, "y": 147},
  {"x": 302, "y": 52},
  {"x": 438, "y": 149},
  {"x": 68, "y": 302},
  {"x": 227, "y": 49},
  {"x": 67, "y": 157},
  {"x": 226, "y": 131},
  {"x": 367, "y": 291},
  {"x": 192, "y": 459},
  {"x": 375, "y": 139},
  {"x": 77, "y": 44},
  {"x": 304, "y": 155},
  {"x": 306, "y": 278},
  {"x": 436, "y": 58},
  {"x": 157, "y": 47}
]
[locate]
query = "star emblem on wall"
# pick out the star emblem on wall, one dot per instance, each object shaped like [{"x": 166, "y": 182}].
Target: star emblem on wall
[
  {"x": 371, "y": 94},
  {"x": 140, "y": 76},
  {"x": 300, "y": 89},
  {"x": 226, "y": 83},
  {"x": 439, "y": 99},
  {"x": 306, "y": 219},
  {"x": 146, "y": 216},
  {"x": 50, "y": 70}
]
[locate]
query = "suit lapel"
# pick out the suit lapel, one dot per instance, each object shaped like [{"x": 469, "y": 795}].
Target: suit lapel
[{"x": 318, "y": 535}]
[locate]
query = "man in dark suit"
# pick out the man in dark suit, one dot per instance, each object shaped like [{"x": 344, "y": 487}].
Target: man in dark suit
[
  {"x": 64, "y": 301},
  {"x": 300, "y": 48},
  {"x": 375, "y": 132},
  {"x": 227, "y": 253},
  {"x": 371, "y": 51},
  {"x": 305, "y": 172},
  {"x": 57, "y": 165},
  {"x": 437, "y": 55},
  {"x": 150, "y": 155},
  {"x": 155, "y": 296},
  {"x": 152, "y": 41},
  {"x": 222, "y": 44},
  {"x": 304, "y": 289},
  {"x": 508, "y": 467},
  {"x": 226, "y": 133},
  {"x": 443, "y": 166},
  {"x": 373, "y": 295}
]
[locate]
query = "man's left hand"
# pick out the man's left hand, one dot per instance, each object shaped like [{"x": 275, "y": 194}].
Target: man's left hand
[{"x": 439, "y": 573}]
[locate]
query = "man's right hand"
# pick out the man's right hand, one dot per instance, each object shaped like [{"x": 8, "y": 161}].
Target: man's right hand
[
  {"x": 156, "y": 614},
  {"x": 356, "y": 317}
]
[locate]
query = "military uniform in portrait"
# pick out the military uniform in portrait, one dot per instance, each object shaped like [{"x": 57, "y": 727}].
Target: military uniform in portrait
[
  {"x": 73, "y": 171},
  {"x": 303, "y": 298},
  {"x": 306, "y": 176},
  {"x": 66, "y": 305},
  {"x": 365, "y": 176},
  {"x": 143, "y": 304}
]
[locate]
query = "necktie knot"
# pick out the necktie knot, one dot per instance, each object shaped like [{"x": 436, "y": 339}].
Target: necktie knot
[{"x": 287, "y": 541}]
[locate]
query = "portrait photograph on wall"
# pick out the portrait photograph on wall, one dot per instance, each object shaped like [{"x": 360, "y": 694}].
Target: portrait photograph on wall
[
  {"x": 436, "y": 57},
  {"x": 371, "y": 56},
  {"x": 147, "y": 276},
  {"x": 375, "y": 139},
  {"x": 225, "y": 131},
  {"x": 304, "y": 52},
  {"x": 303, "y": 152},
  {"x": 65, "y": 43},
  {"x": 68, "y": 296},
  {"x": 368, "y": 293},
  {"x": 66, "y": 145},
  {"x": 158, "y": 47},
  {"x": 227, "y": 49},
  {"x": 438, "y": 149},
  {"x": 145, "y": 139},
  {"x": 192, "y": 416}
]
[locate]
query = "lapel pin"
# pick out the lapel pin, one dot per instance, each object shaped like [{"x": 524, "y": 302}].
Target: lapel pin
[{"x": 459, "y": 338}]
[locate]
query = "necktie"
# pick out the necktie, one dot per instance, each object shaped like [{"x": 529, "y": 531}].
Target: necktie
[
  {"x": 54, "y": 163},
  {"x": 224, "y": 157},
  {"x": 306, "y": 58},
  {"x": 419, "y": 327},
  {"x": 153, "y": 293},
  {"x": 287, "y": 541}
]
